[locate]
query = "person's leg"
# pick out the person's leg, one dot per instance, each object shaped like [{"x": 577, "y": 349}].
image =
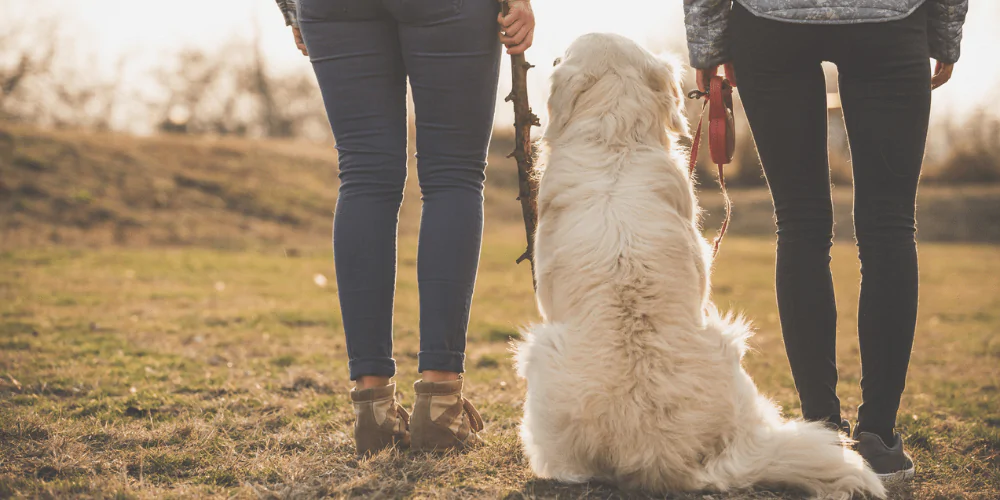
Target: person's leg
[
  {"x": 782, "y": 87},
  {"x": 452, "y": 56},
  {"x": 354, "y": 48},
  {"x": 885, "y": 90}
]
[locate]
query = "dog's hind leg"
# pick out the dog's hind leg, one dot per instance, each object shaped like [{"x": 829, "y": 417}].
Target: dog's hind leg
[
  {"x": 546, "y": 428},
  {"x": 549, "y": 460}
]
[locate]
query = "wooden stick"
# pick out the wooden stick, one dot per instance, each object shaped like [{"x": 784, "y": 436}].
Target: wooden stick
[{"x": 527, "y": 179}]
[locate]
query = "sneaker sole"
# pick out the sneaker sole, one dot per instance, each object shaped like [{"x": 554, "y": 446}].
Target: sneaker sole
[{"x": 903, "y": 475}]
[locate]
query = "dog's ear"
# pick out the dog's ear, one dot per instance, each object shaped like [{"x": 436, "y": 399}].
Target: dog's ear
[
  {"x": 568, "y": 83},
  {"x": 663, "y": 77}
]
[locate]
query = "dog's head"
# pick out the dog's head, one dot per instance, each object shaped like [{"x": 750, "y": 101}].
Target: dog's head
[{"x": 612, "y": 79}]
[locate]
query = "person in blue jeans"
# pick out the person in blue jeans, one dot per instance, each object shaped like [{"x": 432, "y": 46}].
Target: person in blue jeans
[{"x": 363, "y": 53}]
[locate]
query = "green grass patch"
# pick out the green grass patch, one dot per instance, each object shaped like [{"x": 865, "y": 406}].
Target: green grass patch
[{"x": 127, "y": 373}]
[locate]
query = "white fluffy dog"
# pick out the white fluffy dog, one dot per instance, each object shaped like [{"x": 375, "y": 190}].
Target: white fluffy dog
[{"x": 634, "y": 377}]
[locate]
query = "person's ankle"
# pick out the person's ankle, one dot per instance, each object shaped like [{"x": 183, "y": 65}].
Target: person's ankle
[
  {"x": 371, "y": 381},
  {"x": 888, "y": 436},
  {"x": 832, "y": 419},
  {"x": 439, "y": 376}
]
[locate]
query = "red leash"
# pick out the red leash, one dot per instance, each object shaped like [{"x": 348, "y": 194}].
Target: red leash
[{"x": 721, "y": 139}]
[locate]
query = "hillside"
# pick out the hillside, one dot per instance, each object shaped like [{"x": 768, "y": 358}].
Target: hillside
[
  {"x": 96, "y": 189},
  {"x": 92, "y": 189}
]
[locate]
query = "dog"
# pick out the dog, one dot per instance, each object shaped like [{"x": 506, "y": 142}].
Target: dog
[{"x": 634, "y": 377}]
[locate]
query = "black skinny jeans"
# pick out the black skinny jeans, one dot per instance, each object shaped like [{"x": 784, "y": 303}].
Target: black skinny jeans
[{"x": 885, "y": 93}]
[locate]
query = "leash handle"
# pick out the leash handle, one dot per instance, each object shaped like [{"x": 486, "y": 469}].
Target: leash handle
[{"x": 718, "y": 101}]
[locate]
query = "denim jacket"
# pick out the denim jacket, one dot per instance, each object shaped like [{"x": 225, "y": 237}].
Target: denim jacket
[{"x": 706, "y": 21}]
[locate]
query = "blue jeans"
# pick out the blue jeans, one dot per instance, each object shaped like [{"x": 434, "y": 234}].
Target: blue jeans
[{"x": 363, "y": 51}]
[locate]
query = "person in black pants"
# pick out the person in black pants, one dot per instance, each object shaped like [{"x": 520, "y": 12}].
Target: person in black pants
[{"x": 885, "y": 88}]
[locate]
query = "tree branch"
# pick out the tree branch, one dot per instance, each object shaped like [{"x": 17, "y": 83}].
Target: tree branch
[{"x": 527, "y": 179}]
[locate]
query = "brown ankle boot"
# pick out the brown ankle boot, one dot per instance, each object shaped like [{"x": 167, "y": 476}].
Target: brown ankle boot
[
  {"x": 379, "y": 421},
  {"x": 443, "y": 419}
]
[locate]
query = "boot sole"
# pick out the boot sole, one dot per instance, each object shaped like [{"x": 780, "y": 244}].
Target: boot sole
[{"x": 892, "y": 477}]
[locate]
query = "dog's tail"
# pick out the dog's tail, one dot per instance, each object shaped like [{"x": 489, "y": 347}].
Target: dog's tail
[
  {"x": 771, "y": 451},
  {"x": 805, "y": 455}
]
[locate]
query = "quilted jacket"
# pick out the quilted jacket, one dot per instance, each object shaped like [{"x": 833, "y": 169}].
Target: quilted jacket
[
  {"x": 288, "y": 10},
  {"x": 706, "y": 21}
]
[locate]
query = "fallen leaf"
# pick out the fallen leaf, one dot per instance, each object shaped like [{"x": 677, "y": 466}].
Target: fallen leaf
[{"x": 320, "y": 280}]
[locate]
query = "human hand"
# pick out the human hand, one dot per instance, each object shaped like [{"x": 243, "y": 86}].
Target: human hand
[
  {"x": 704, "y": 76},
  {"x": 942, "y": 73},
  {"x": 517, "y": 29},
  {"x": 299, "y": 42}
]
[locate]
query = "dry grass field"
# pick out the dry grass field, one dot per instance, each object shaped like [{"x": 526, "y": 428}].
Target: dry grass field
[{"x": 164, "y": 333}]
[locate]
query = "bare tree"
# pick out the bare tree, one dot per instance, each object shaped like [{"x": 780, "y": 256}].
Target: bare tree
[
  {"x": 26, "y": 54},
  {"x": 233, "y": 92}
]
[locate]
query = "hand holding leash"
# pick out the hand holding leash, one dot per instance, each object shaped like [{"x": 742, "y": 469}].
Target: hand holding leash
[
  {"x": 704, "y": 76},
  {"x": 721, "y": 134}
]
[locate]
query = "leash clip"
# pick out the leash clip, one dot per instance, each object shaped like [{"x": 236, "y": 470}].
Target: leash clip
[{"x": 696, "y": 94}]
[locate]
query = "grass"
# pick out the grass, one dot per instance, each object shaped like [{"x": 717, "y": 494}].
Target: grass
[
  {"x": 163, "y": 332},
  {"x": 168, "y": 372}
]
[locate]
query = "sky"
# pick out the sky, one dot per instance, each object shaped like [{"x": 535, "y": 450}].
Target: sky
[{"x": 147, "y": 33}]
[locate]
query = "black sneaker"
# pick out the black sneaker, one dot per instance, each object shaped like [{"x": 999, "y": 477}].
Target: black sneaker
[
  {"x": 844, "y": 427},
  {"x": 889, "y": 463}
]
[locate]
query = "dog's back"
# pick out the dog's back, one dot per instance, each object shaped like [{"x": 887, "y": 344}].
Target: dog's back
[
  {"x": 633, "y": 377},
  {"x": 624, "y": 379}
]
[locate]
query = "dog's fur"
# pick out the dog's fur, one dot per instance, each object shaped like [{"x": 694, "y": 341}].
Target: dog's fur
[{"x": 634, "y": 377}]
